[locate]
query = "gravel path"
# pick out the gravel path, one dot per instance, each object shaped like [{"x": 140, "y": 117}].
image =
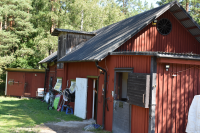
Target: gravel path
[{"x": 61, "y": 127}]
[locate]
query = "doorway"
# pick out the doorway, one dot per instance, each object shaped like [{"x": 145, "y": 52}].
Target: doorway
[
  {"x": 121, "y": 108},
  {"x": 28, "y": 84},
  {"x": 92, "y": 98}
]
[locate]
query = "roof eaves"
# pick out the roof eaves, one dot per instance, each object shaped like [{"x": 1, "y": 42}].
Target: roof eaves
[
  {"x": 57, "y": 31},
  {"x": 49, "y": 58},
  {"x": 188, "y": 56}
]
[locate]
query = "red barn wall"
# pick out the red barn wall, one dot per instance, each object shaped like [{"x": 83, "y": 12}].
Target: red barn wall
[
  {"x": 141, "y": 64},
  {"x": 174, "y": 96},
  {"x": 35, "y": 80},
  {"x": 16, "y": 89},
  {"x": 179, "y": 40}
]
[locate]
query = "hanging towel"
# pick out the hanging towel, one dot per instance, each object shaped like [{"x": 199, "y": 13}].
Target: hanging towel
[{"x": 193, "y": 125}]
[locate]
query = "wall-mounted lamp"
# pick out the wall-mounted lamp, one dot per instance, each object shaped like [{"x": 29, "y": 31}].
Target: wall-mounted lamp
[
  {"x": 154, "y": 22},
  {"x": 35, "y": 74},
  {"x": 101, "y": 72},
  {"x": 167, "y": 67},
  {"x": 174, "y": 75}
]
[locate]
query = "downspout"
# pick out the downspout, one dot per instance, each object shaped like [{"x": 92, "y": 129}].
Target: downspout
[
  {"x": 44, "y": 79},
  {"x": 104, "y": 98}
]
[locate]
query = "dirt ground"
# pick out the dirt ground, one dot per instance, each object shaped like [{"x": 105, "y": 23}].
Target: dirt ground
[{"x": 62, "y": 127}]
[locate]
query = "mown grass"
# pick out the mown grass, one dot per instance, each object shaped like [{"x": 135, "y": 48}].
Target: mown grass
[
  {"x": 27, "y": 113},
  {"x": 99, "y": 131}
]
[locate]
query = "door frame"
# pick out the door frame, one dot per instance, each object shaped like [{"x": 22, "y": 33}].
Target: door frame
[
  {"x": 129, "y": 70},
  {"x": 97, "y": 84}
]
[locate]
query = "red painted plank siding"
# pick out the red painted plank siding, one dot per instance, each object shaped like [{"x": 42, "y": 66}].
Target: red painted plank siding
[
  {"x": 16, "y": 89},
  {"x": 35, "y": 80},
  {"x": 179, "y": 40},
  {"x": 174, "y": 96},
  {"x": 52, "y": 73},
  {"x": 141, "y": 64}
]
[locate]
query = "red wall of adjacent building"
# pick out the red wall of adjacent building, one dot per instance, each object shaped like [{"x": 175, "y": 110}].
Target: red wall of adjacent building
[
  {"x": 174, "y": 95},
  {"x": 35, "y": 80},
  {"x": 179, "y": 40}
]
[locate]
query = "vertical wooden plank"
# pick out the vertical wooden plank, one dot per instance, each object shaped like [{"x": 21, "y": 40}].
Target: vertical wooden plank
[
  {"x": 169, "y": 98},
  {"x": 178, "y": 99},
  {"x": 195, "y": 80},
  {"x": 165, "y": 101},
  {"x": 142, "y": 41},
  {"x": 191, "y": 85},
  {"x": 182, "y": 105},
  {"x": 174, "y": 101},
  {"x": 154, "y": 46},
  {"x": 160, "y": 102},
  {"x": 157, "y": 99},
  {"x": 187, "y": 82}
]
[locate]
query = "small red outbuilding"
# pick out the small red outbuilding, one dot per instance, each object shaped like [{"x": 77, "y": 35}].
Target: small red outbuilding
[{"x": 24, "y": 82}]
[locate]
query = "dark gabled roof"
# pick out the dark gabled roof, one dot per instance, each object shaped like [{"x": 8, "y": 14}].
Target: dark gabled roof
[
  {"x": 50, "y": 58},
  {"x": 113, "y": 36},
  {"x": 57, "y": 31}
]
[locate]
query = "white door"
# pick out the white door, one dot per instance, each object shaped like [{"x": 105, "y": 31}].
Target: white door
[{"x": 81, "y": 98}]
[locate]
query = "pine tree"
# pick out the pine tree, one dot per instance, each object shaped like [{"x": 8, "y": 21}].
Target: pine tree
[{"x": 16, "y": 30}]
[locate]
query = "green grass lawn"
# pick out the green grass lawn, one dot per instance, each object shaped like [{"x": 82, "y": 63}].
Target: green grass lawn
[{"x": 27, "y": 113}]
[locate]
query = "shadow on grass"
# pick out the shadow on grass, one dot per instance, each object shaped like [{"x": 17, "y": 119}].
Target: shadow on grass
[{"x": 26, "y": 113}]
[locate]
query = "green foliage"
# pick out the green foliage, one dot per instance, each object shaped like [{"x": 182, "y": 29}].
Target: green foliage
[
  {"x": 24, "y": 113},
  {"x": 162, "y": 2},
  {"x": 133, "y": 7},
  {"x": 2, "y": 83}
]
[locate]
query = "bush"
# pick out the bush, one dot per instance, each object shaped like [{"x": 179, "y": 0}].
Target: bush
[{"x": 2, "y": 83}]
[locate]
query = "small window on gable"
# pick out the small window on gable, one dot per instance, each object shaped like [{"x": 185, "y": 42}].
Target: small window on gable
[{"x": 164, "y": 26}]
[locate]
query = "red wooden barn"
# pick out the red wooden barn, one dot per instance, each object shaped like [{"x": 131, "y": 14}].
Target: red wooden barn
[
  {"x": 145, "y": 70},
  {"x": 24, "y": 82}
]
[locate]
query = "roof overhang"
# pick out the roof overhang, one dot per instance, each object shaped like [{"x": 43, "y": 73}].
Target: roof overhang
[
  {"x": 57, "y": 31},
  {"x": 186, "y": 20},
  {"x": 187, "y": 56},
  {"x": 25, "y": 70}
]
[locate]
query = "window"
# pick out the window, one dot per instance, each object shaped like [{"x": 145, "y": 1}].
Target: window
[{"x": 164, "y": 26}]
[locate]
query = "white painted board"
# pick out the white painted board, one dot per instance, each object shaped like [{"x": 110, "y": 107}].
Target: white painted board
[{"x": 80, "y": 107}]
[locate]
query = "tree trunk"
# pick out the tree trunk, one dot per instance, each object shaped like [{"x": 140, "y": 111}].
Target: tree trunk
[
  {"x": 53, "y": 25},
  {"x": 5, "y": 25},
  {"x": 10, "y": 22},
  {"x": 0, "y": 25},
  {"x": 82, "y": 15},
  {"x": 187, "y": 5}
]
